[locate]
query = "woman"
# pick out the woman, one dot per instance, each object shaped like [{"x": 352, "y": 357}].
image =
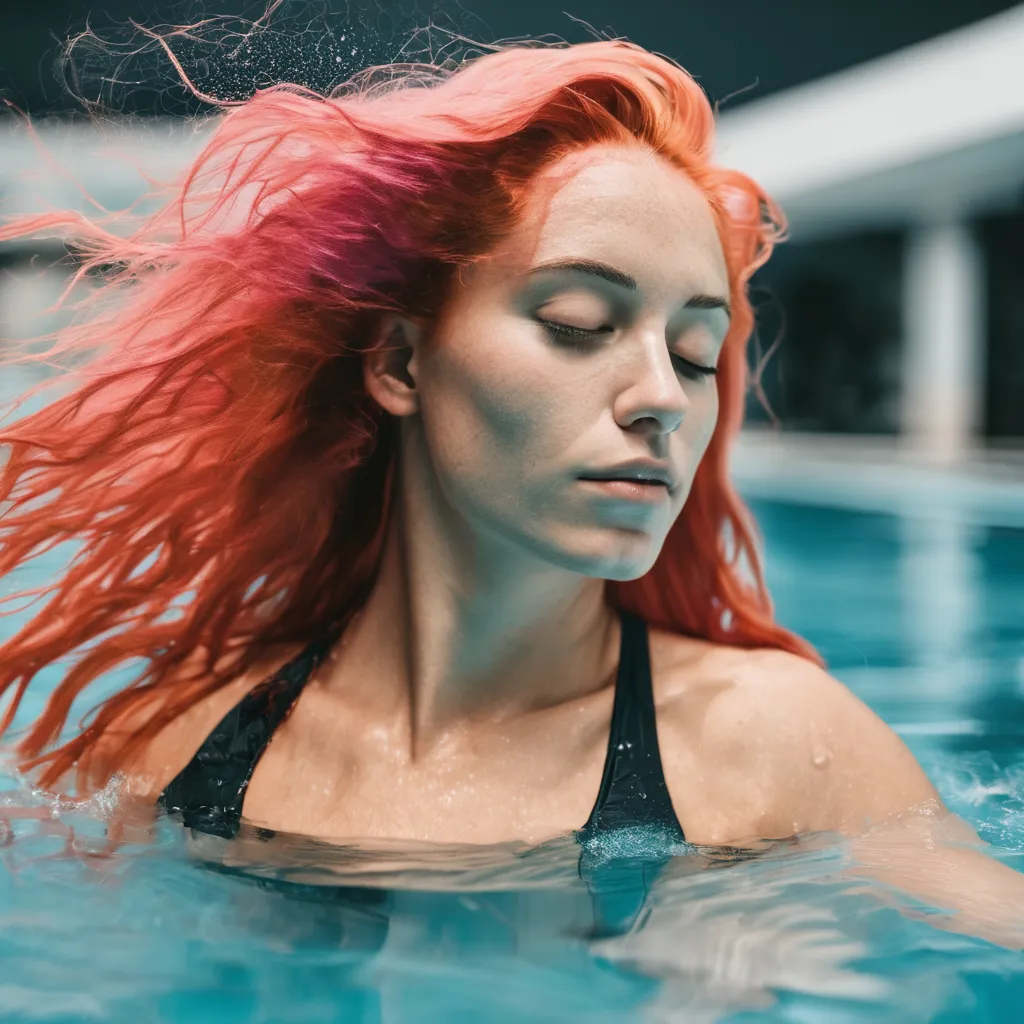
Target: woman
[{"x": 425, "y": 391}]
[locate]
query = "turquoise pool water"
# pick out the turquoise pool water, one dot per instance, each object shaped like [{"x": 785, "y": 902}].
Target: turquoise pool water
[{"x": 921, "y": 617}]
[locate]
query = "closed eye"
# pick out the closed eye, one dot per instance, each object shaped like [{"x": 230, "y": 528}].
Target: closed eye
[
  {"x": 561, "y": 331},
  {"x": 581, "y": 337}
]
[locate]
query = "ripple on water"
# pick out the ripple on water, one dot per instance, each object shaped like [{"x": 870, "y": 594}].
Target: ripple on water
[{"x": 292, "y": 928}]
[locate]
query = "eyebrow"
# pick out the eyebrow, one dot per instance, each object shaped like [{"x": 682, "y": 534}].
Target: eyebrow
[{"x": 623, "y": 280}]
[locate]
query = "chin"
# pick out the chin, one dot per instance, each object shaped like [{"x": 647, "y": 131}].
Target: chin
[
  {"x": 624, "y": 572},
  {"x": 619, "y": 555}
]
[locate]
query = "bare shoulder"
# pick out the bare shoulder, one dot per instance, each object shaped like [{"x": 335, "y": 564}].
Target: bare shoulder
[
  {"x": 175, "y": 745},
  {"x": 820, "y": 758}
]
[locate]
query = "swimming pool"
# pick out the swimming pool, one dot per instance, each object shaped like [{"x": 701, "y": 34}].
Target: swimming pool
[{"x": 921, "y": 616}]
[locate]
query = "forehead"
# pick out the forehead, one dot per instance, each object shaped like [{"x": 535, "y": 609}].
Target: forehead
[{"x": 628, "y": 208}]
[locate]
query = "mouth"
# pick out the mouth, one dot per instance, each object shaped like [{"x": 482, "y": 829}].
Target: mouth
[
  {"x": 630, "y": 488},
  {"x": 642, "y": 472}
]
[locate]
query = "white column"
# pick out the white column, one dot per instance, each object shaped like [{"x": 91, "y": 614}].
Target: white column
[{"x": 944, "y": 340}]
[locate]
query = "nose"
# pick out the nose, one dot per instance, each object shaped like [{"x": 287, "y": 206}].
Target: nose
[{"x": 651, "y": 399}]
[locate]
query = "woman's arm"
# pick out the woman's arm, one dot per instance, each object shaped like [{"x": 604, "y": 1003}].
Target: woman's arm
[
  {"x": 872, "y": 789},
  {"x": 939, "y": 859}
]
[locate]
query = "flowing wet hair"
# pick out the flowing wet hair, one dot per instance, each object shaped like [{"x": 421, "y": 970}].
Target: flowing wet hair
[{"x": 217, "y": 440}]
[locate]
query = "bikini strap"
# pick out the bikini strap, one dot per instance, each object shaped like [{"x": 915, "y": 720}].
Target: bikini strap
[
  {"x": 633, "y": 790},
  {"x": 208, "y": 792},
  {"x": 618, "y": 870}
]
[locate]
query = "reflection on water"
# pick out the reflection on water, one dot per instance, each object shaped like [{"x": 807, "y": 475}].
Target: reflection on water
[
  {"x": 920, "y": 618},
  {"x": 940, "y": 596},
  {"x": 191, "y": 928}
]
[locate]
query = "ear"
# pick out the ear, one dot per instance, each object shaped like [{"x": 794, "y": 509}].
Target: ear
[{"x": 389, "y": 368}]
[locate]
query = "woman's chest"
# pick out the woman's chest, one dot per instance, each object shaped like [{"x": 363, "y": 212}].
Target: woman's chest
[
  {"x": 342, "y": 776},
  {"x": 355, "y": 779}
]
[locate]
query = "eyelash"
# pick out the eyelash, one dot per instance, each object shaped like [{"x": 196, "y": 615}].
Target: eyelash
[{"x": 573, "y": 336}]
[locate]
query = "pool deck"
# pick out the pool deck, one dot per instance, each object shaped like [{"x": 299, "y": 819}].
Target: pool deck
[{"x": 881, "y": 474}]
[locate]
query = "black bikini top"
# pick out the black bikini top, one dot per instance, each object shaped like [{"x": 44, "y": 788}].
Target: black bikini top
[{"x": 207, "y": 794}]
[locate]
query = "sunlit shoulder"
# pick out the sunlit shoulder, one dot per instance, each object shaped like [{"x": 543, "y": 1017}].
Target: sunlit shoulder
[{"x": 765, "y": 744}]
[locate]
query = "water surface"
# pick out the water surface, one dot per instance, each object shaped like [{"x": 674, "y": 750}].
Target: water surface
[{"x": 920, "y": 617}]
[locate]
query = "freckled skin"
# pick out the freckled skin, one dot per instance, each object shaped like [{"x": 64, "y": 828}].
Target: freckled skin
[{"x": 509, "y": 416}]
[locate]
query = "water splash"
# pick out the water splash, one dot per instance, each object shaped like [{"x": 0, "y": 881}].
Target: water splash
[
  {"x": 986, "y": 792},
  {"x": 124, "y": 66}
]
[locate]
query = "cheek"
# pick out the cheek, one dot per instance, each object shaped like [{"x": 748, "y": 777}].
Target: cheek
[
  {"x": 485, "y": 408},
  {"x": 709, "y": 419},
  {"x": 700, "y": 426},
  {"x": 505, "y": 404}
]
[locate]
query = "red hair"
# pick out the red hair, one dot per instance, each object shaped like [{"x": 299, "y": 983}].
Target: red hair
[{"x": 219, "y": 441}]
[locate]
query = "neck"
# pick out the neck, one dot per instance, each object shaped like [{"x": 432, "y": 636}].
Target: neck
[{"x": 465, "y": 626}]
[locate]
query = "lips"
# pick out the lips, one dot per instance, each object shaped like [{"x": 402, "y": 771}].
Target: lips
[
  {"x": 633, "y": 491},
  {"x": 637, "y": 471},
  {"x": 642, "y": 480}
]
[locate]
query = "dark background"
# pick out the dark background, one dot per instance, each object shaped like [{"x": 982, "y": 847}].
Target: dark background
[
  {"x": 830, "y": 311},
  {"x": 745, "y": 50}
]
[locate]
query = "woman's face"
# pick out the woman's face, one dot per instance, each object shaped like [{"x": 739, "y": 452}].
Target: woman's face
[{"x": 582, "y": 348}]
